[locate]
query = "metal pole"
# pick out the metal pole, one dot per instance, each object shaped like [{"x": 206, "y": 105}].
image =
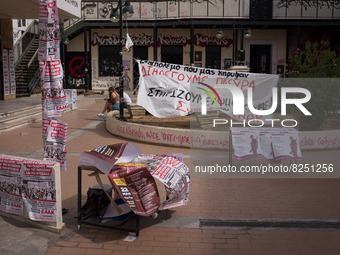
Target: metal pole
[
  {"x": 85, "y": 56},
  {"x": 234, "y": 36},
  {"x": 192, "y": 49},
  {"x": 121, "y": 85},
  {"x": 155, "y": 42},
  {"x": 242, "y": 36}
]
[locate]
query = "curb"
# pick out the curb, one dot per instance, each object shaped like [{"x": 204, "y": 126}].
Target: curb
[{"x": 269, "y": 223}]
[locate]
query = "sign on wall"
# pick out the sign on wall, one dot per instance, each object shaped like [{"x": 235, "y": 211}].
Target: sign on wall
[
  {"x": 143, "y": 39},
  {"x": 76, "y": 75}
]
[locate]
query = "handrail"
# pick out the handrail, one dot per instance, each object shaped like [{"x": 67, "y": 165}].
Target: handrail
[
  {"x": 68, "y": 24},
  {"x": 33, "y": 57},
  {"x": 34, "y": 81},
  {"x": 24, "y": 52}
]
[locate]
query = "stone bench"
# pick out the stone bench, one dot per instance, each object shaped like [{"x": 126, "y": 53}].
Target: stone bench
[
  {"x": 136, "y": 111},
  {"x": 206, "y": 121}
]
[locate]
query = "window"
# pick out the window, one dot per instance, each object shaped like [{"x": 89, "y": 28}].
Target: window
[{"x": 109, "y": 60}]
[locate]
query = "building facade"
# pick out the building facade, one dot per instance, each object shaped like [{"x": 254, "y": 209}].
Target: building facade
[
  {"x": 184, "y": 32},
  {"x": 16, "y": 21}
]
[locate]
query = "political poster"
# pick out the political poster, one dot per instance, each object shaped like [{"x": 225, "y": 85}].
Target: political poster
[
  {"x": 28, "y": 184},
  {"x": 54, "y": 139},
  {"x": 12, "y": 72},
  {"x": 170, "y": 170},
  {"x": 54, "y": 100},
  {"x": 167, "y": 90},
  {"x": 105, "y": 157},
  {"x": 274, "y": 144},
  {"x": 5, "y": 71},
  {"x": 136, "y": 187}
]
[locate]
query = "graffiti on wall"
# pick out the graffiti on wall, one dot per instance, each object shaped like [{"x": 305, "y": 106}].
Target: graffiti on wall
[
  {"x": 76, "y": 75},
  {"x": 142, "y": 39},
  {"x": 306, "y": 4},
  {"x": 103, "y": 83}
]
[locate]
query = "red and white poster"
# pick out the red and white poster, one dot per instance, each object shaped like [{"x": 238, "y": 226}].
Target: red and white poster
[
  {"x": 173, "y": 173},
  {"x": 30, "y": 183},
  {"x": 54, "y": 138},
  {"x": 49, "y": 31},
  {"x": 5, "y": 71},
  {"x": 54, "y": 101},
  {"x": 134, "y": 175},
  {"x": 12, "y": 72}
]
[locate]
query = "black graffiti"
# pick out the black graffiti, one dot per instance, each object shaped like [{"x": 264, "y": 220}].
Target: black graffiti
[
  {"x": 213, "y": 2},
  {"x": 106, "y": 10},
  {"x": 177, "y": 93},
  {"x": 309, "y": 3}
]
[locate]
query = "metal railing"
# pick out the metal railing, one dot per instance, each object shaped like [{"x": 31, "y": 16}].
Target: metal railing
[
  {"x": 35, "y": 80},
  {"x": 25, "y": 41},
  {"x": 232, "y": 9},
  {"x": 33, "y": 73}
]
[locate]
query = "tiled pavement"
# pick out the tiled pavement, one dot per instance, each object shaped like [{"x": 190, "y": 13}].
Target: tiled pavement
[
  {"x": 157, "y": 241},
  {"x": 209, "y": 198}
]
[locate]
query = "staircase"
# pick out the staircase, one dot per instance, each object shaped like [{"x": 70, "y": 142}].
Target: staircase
[{"x": 27, "y": 70}]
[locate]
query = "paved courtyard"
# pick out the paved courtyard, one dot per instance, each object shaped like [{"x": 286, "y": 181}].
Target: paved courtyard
[{"x": 178, "y": 231}]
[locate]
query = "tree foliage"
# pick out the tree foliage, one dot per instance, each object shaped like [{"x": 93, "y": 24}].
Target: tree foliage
[{"x": 319, "y": 66}]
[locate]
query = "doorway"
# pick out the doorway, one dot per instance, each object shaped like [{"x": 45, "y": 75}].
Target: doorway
[
  {"x": 172, "y": 54},
  {"x": 213, "y": 56},
  {"x": 141, "y": 53},
  {"x": 260, "y": 58}
]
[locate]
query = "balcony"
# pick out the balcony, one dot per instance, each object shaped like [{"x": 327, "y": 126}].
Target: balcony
[{"x": 219, "y": 9}]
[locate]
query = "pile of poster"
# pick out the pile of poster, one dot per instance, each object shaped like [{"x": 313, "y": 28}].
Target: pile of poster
[
  {"x": 134, "y": 176},
  {"x": 274, "y": 144},
  {"x": 54, "y": 100}
]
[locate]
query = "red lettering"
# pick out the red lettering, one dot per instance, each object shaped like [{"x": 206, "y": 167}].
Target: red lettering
[{"x": 43, "y": 211}]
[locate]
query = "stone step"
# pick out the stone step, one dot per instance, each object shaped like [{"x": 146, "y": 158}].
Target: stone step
[
  {"x": 13, "y": 119},
  {"x": 17, "y": 118}
]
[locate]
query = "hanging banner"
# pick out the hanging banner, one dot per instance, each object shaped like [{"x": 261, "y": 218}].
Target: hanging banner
[{"x": 167, "y": 90}]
